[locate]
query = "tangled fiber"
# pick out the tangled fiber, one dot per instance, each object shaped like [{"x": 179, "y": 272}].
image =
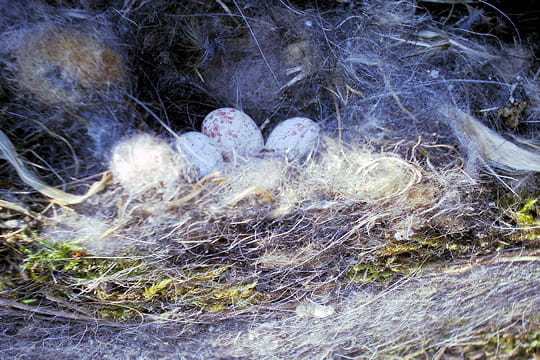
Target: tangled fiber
[
  {"x": 411, "y": 232},
  {"x": 449, "y": 313}
]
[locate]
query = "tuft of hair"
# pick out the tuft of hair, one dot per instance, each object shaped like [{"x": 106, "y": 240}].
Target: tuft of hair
[
  {"x": 141, "y": 162},
  {"x": 65, "y": 65}
]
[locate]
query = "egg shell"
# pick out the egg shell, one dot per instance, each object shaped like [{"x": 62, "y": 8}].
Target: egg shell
[
  {"x": 295, "y": 138},
  {"x": 201, "y": 152},
  {"x": 234, "y": 130}
]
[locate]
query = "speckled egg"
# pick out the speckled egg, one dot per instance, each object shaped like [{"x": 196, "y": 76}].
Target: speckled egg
[
  {"x": 294, "y": 138},
  {"x": 234, "y": 130},
  {"x": 201, "y": 152}
]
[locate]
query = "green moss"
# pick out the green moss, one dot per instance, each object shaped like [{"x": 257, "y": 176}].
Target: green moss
[
  {"x": 156, "y": 289},
  {"x": 117, "y": 312},
  {"x": 366, "y": 272},
  {"x": 44, "y": 260},
  {"x": 515, "y": 341},
  {"x": 125, "y": 287},
  {"x": 398, "y": 257},
  {"x": 518, "y": 341},
  {"x": 527, "y": 217}
]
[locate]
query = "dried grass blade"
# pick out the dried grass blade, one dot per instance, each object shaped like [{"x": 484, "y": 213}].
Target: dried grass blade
[
  {"x": 18, "y": 208},
  {"x": 58, "y": 196},
  {"x": 493, "y": 147}
]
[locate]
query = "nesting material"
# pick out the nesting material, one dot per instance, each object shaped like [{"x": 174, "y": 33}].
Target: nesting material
[
  {"x": 271, "y": 190},
  {"x": 437, "y": 312},
  {"x": 387, "y": 191},
  {"x": 314, "y": 310},
  {"x": 265, "y": 190},
  {"x": 362, "y": 175},
  {"x": 250, "y": 186},
  {"x": 60, "y": 65},
  {"x": 142, "y": 162},
  {"x": 492, "y": 147},
  {"x": 9, "y": 153}
]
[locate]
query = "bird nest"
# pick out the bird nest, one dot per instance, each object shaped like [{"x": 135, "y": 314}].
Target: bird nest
[{"x": 428, "y": 153}]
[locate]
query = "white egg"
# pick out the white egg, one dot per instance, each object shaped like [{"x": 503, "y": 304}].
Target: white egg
[
  {"x": 201, "y": 151},
  {"x": 234, "y": 130},
  {"x": 294, "y": 138}
]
